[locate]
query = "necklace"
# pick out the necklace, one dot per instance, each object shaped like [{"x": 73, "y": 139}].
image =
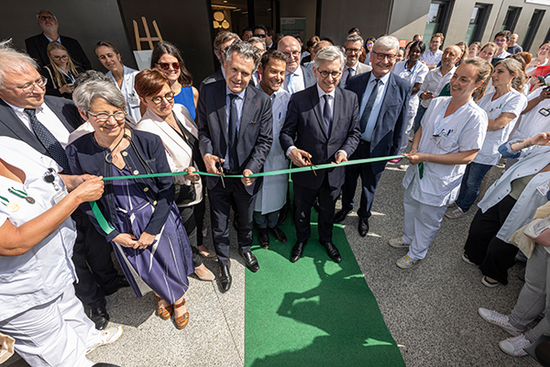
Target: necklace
[{"x": 22, "y": 194}]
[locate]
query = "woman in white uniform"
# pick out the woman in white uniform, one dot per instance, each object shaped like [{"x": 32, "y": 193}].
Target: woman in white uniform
[
  {"x": 413, "y": 71},
  {"x": 122, "y": 75},
  {"x": 451, "y": 134},
  {"x": 38, "y": 305},
  {"x": 503, "y": 106}
]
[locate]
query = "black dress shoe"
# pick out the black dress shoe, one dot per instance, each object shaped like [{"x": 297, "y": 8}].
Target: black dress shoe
[
  {"x": 100, "y": 317},
  {"x": 363, "y": 227},
  {"x": 332, "y": 251},
  {"x": 263, "y": 237},
  {"x": 283, "y": 214},
  {"x": 122, "y": 283},
  {"x": 225, "y": 278},
  {"x": 250, "y": 260},
  {"x": 278, "y": 234},
  {"x": 297, "y": 251},
  {"x": 341, "y": 215}
]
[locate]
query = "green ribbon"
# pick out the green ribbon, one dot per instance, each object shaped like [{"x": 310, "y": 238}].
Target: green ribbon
[{"x": 108, "y": 228}]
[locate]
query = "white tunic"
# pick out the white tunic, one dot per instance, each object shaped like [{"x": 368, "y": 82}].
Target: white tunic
[
  {"x": 44, "y": 272},
  {"x": 130, "y": 94},
  {"x": 272, "y": 195},
  {"x": 534, "y": 121},
  {"x": 512, "y": 102},
  {"x": 462, "y": 131},
  {"x": 416, "y": 75}
]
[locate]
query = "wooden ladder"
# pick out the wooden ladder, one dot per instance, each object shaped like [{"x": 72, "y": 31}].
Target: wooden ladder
[{"x": 148, "y": 37}]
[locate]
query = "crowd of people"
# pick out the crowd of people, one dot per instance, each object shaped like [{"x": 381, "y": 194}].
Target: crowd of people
[{"x": 273, "y": 102}]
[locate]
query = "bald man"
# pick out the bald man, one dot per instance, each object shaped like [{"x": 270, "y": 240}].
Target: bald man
[
  {"x": 513, "y": 47},
  {"x": 297, "y": 77}
]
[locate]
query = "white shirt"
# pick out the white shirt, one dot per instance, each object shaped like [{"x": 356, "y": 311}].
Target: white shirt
[
  {"x": 434, "y": 82},
  {"x": 416, "y": 75},
  {"x": 512, "y": 102},
  {"x": 431, "y": 58},
  {"x": 533, "y": 122},
  {"x": 503, "y": 55},
  {"x": 130, "y": 94},
  {"x": 47, "y": 118},
  {"x": 44, "y": 272},
  {"x": 296, "y": 79},
  {"x": 462, "y": 131}
]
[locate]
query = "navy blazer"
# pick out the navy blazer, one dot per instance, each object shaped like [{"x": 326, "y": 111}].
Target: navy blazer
[
  {"x": 305, "y": 129},
  {"x": 217, "y": 76},
  {"x": 37, "y": 45},
  {"x": 12, "y": 126},
  {"x": 390, "y": 126},
  {"x": 255, "y": 129},
  {"x": 86, "y": 156}
]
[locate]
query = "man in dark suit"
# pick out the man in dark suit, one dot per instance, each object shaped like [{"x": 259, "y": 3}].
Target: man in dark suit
[
  {"x": 45, "y": 122},
  {"x": 321, "y": 125},
  {"x": 222, "y": 41},
  {"x": 384, "y": 98},
  {"x": 37, "y": 45},
  {"x": 297, "y": 77},
  {"x": 235, "y": 136}
]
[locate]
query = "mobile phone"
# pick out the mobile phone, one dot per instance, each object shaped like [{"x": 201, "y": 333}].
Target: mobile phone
[{"x": 541, "y": 79}]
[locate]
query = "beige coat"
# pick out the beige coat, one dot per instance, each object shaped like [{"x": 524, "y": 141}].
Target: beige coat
[{"x": 526, "y": 244}]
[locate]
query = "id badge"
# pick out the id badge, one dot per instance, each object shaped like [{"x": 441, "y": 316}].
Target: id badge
[
  {"x": 544, "y": 112},
  {"x": 543, "y": 189},
  {"x": 59, "y": 196}
]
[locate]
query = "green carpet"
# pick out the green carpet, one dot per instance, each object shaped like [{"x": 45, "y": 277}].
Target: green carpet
[{"x": 313, "y": 312}]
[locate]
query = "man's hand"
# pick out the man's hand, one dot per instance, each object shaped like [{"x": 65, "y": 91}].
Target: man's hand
[
  {"x": 210, "y": 162},
  {"x": 340, "y": 157},
  {"x": 246, "y": 180},
  {"x": 541, "y": 139},
  {"x": 299, "y": 157},
  {"x": 427, "y": 95}
]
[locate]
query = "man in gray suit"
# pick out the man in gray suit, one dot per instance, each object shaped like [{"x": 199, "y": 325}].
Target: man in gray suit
[
  {"x": 297, "y": 77},
  {"x": 353, "y": 49},
  {"x": 235, "y": 136}
]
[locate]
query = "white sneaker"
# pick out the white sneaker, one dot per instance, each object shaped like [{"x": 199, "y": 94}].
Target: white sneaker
[
  {"x": 406, "y": 262},
  {"x": 467, "y": 260},
  {"x": 454, "y": 213},
  {"x": 107, "y": 336},
  {"x": 515, "y": 346},
  {"x": 398, "y": 243},
  {"x": 489, "y": 283},
  {"x": 499, "y": 320}
]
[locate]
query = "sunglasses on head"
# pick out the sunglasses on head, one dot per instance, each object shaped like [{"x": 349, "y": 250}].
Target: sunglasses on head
[{"x": 166, "y": 65}]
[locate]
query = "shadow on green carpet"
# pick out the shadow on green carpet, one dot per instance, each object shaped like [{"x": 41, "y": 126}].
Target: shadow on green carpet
[{"x": 313, "y": 312}]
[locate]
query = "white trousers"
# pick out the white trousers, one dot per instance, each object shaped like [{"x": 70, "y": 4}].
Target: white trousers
[
  {"x": 55, "y": 334},
  {"x": 422, "y": 222}
]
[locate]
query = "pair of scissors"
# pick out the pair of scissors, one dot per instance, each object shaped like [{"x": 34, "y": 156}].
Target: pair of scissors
[
  {"x": 311, "y": 164},
  {"x": 220, "y": 170}
]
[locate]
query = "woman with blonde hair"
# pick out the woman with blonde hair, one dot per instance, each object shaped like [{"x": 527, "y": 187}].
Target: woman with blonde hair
[{"x": 61, "y": 72}]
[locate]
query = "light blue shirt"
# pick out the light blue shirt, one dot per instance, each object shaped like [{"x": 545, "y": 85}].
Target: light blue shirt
[
  {"x": 367, "y": 134},
  {"x": 51, "y": 40},
  {"x": 239, "y": 101}
]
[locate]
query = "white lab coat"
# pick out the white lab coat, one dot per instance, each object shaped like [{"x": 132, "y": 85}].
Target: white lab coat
[{"x": 130, "y": 94}]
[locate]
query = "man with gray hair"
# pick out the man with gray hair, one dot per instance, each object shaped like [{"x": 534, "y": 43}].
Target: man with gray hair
[
  {"x": 260, "y": 45},
  {"x": 384, "y": 98},
  {"x": 45, "y": 122},
  {"x": 37, "y": 45},
  {"x": 222, "y": 41},
  {"x": 354, "y": 49},
  {"x": 235, "y": 136},
  {"x": 321, "y": 127}
]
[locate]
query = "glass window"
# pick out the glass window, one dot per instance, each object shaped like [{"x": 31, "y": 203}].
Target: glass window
[
  {"x": 438, "y": 17},
  {"x": 511, "y": 19},
  {"x": 532, "y": 29},
  {"x": 478, "y": 20}
]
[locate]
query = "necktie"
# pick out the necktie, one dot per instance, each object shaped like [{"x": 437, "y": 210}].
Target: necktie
[
  {"x": 289, "y": 85},
  {"x": 52, "y": 145},
  {"x": 327, "y": 114},
  {"x": 351, "y": 73},
  {"x": 232, "y": 134},
  {"x": 368, "y": 108}
]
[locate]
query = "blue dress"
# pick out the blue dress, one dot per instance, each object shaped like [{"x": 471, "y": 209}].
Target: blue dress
[
  {"x": 185, "y": 97},
  {"x": 163, "y": 266}
]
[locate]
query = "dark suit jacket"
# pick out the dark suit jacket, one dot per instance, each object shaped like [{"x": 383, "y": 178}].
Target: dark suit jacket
[
  {"x": 255, "y": 129},
  {"x": 36, "y": 48},
  {"x": 11, "y": 125},
  {"x": 390, "y": 126},
  {"x": 304, "y": 120},
  {"x": 309, "y": 78}
]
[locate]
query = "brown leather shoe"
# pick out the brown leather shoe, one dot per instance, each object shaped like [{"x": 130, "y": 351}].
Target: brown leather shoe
[
  {"x": 183, "y": 320},
  {"x": 163, "y": 312}
]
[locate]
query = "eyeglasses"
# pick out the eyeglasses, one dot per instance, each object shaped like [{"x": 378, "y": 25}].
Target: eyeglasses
[
  {"x": 29, "y": 87},
  {"x": 104, "y": 116},
  {"x": 381, "y": 56},
  {"x": 166, "y": 65},
  {"x": 64, "y": 57},
  {"x": 46, "y": 17},
  {"x": 260, "y": 35},
  {"x": 169, "y": 97},
  {"x": 293, "y": 54},
  {"x": 325, "y": 74},
  {"x": 369, "y": 43},
  {"x": 353, "y": 50}
]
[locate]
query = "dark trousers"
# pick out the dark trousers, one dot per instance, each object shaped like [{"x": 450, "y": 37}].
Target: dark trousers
[
  {"x": 369, "y": 180},
  {"x": 493, "y": 255},
  {"x": 303, "y": 199},
  {"x": 93, "y": 263},
  {"x": 220, "y": 199},
  {"x": 187, "y": 214},
  {"x": 199, "y": 211}
]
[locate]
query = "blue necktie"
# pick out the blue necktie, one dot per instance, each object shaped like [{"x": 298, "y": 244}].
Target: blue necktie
[
  {"x": 327, "y": 114},
  {"x": 232, "y": 134},
  {"x": 289, "y": 84},
  {"x": 368, "y": 108},
  {"x": 52, "y": 145}
]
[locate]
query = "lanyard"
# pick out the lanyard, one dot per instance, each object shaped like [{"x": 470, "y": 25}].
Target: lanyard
[{"x": 439, "y": 128}]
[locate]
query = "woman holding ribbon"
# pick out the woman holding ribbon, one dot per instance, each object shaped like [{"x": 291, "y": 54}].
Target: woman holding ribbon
[
  {"x": 179, "y": 134},
  {"x": 451, "y": 133},
  {"x": 143, "y": 223}
]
